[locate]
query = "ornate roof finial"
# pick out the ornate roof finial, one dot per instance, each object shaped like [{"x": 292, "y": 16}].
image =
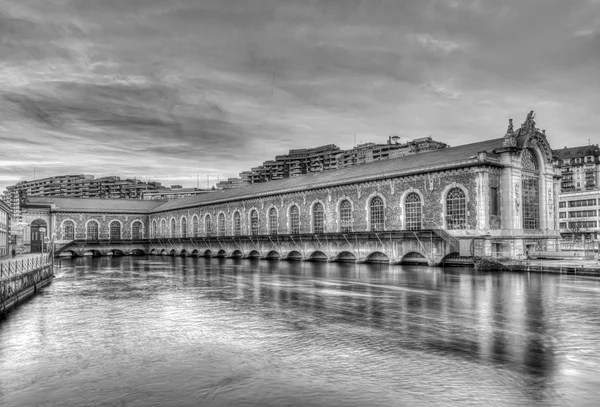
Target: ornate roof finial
[{"x": 510, "y": 129}]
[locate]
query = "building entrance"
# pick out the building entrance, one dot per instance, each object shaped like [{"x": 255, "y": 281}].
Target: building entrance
[{"x": 39, "y": 230}]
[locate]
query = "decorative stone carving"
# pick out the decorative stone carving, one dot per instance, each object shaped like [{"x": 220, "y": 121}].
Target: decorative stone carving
[
  {"x": 517, "y": 196},
  {"x": 510, "y": 139}
]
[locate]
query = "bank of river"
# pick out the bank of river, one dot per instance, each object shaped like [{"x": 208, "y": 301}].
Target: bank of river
[{"x": 152, "y": 331}]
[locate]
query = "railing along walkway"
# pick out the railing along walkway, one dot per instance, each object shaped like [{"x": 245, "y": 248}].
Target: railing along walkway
[{"x": 10, "y": 268}]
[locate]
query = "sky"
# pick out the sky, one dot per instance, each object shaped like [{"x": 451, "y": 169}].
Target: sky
[{"x": 175, "y": 91}]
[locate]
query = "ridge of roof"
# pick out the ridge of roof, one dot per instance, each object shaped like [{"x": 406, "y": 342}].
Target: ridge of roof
[{"x": 96, "y": 204}]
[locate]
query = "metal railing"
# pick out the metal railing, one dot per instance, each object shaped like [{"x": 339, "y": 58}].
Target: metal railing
[{"x": 10, "y": 268}]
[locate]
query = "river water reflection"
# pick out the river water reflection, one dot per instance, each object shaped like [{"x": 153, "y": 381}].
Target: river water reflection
[{"x": 153, "y": 331}]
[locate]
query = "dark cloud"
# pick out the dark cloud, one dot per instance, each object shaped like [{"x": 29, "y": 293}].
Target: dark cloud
[{"x": 180, "y": 88}]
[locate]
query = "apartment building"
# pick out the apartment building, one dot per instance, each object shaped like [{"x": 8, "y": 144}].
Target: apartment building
[
  {"x": 580, "y": 167},
  {"x": 5, "y": 213}
]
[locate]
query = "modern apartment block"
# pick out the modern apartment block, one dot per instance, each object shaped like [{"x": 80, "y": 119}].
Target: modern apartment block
[
  {"x": 77, "y": 186},
  {"x": 5, "y": 214},
  {"x": 578, "y": 214},
  {"x": 328, "y": 157},
  {"x": 175, "y": 192},
  {"x": 580, "y": 168}
]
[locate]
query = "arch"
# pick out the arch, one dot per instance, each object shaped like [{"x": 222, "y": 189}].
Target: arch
[
  {"x": 413, "y": 258},
  {"x": 237, "y": 223},
  {"x": 413, "y": 211},
  {"x": 195, "y": 226},
  {"x": 345, "y": 257},
  {"x": 221, "y": 224},
  {"x": 456, "y": 209},
  {"x": 318, "y": 217},
  {"x": 208, "y": 224},
  {"x": 137, "y": 230},
  {"x": 294, "y": 219},
  {"x": 37, "y": 235},
  {"x": 221, "y": 253},
  {"x": 172, "y": 227},
  {"x": 237, "y": 253},
  {"x": 68, "y": 229},
  {"x": 195, "y": 252},
  {"x": 207, "y": 253},
  {"x": 137, "y": 252},
  {"x": 116, "y": 252},
  {"x": 254, "y": 225},
  {"x": 345, "y": 215},
  {"x": 254, "y": 254},
  {"x": 115, "y": 229},
  {"x": 163, "y": 227},
  {"x": 92, "y": 253},
  {"x": 377, "y": 257},
  {"x": 294, "y": 255},
  {"x": 376, "y": 212},
  {"x": 183, "y": 253},
  {"x": 163, "y": 252},
  {"x": 173, "y": 253},
  {"x": 91, "y": 229},
  {"x": 154, "y": 230},
  {"x": 530, "y": 187},
  {"x": 153, "y": 252},
  {"x": 273, "y": 254},
  {"x": 317, "y": 255},
  {"x": 273, "y": 220},
  {"x": 183, "y": 226}
]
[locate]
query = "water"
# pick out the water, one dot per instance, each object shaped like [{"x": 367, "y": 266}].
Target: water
[{"x": 152, "y": 331}]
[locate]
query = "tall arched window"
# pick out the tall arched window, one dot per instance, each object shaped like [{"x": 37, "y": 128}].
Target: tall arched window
[
  {"x": 173, "y": 227},
  {"x": 273, "y": 221},
  {"x": 69, "y": 230},
  {"x": 413, "y": 211},
  {"x": 456, "y": 209},
  {"x": 377, "y": 216},
  {"x": 237, "y": 223},
  {"x": 163, "y": 228},
  {"x": 254, "y": 222},
  {"x": 345, "y": 216},
  {"x": 183, "y": 226},
  {"x": 136, "y": 230},
  {"x": 115, "y": 230},
  {"x": 318, "y": 218},
  {"x": 221, "y": 225},
  {"x": 92, "y": 230},
  {"x": 208, "y": 225},
  {"x": 195, "y": 226},
  {"x": 530, "y": 180},
  {"x": 294, "y": 220},
  {"x": 154, "y": 228}
]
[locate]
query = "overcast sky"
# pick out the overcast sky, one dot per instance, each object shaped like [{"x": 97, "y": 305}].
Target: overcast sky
[{"x": 169, "y": 90}]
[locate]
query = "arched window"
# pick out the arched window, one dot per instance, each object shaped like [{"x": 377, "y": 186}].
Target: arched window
[
  {"x": 115, "y": 230},
  {"x": 272, "y": 221},
  {"x": 173, "y": 228},
  {"x": 413, "y": 211},
  {"x": 136, "y": 230},
  {"x": 221, "y": 225},
  {"x": 530, "y": 180},
  {"x": 195, "y": 226},
  {"x": 163, "y": 228},
  {"x": 92, "y": 230},
  {"x": 318, "y": 218},
  {"x": 294, "y": 220},
  {"x": 69, "y": 230},
  {"x": 208, "y": 225},
  {"x": 183, "y": 227},
  {"x": 377, "y": 218},
  {"x": 345, "y": 216},
  {"x": 237, "y": 224},
  {"x": 154, "y": 227},
  {"x": 254, "y": 222},
  {"x": 456, "y": 209}
]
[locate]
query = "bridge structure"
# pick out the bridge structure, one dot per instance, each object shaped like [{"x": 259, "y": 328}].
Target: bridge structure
[{"x": 431, "y": 247}]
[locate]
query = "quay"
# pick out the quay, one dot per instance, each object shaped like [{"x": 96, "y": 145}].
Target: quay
[{"x": 22, "y": 277}]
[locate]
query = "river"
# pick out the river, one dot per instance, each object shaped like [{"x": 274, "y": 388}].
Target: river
[{"x": 164, "y": 331}]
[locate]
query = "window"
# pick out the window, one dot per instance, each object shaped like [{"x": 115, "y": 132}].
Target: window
[
  {"x": 115, "y": 230},
  {"x": 562, "y": 204},
  {"x": 377, "y": 218},
  {"x": 208, "y": 225},
  {"x": 273, "y": 221},
  {"x": 163, "y": 228},
  {"x": 530, "y": 198},
  {"x": 412, "y": 209},
  {"x": 92, "y": 230},
  {"x": 237, "y": 224},
  {"x": 173, "y": 228},
  {"x": 221, "y": 225},
  {"x": 494, "y": 201},
  {"x": 154, "y": 227},
  {"x": 562, "y": 215},
  {"x": 183, "y": 227},
  {"x": 195, "y": 226},
  {"x": 318, "y": 220},
  {"x": 254, "y": 222},
  {"x": 562, "y": 225},
  {"x": 294, "y": 220},
  {"x": 345, "y": 216},
  {"x": 136, "y": 230},
  {"x": 69, "y": 230},
  {"x": 456, "y": 212}
]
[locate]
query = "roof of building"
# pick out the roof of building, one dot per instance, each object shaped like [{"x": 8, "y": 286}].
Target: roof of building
[
  {"x": 574, "y": 152},
  {"x": 4, "y": 206},
  {"x": 95, "y": 204},
  {"x": 428, "y": 161}
]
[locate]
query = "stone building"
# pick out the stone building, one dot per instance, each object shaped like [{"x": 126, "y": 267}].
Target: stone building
[{"x": 494, "y": 196}]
